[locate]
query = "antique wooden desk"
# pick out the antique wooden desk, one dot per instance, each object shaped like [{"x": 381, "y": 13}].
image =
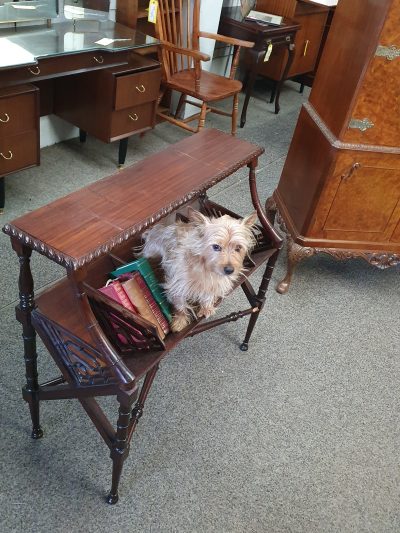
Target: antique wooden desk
[
  {"x": 264, "y": 36},
  {"x": 91, "y": 231},
  {"x": 107, "y": 91}
]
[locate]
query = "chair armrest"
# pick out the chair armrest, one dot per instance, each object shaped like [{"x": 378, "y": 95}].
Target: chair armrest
[
  {"x": 185, "y": 51},
  {"x": 225, "y": 39}
]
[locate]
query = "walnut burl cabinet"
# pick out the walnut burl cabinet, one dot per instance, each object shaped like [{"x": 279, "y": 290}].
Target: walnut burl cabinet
[
  {"x": 99, "y": 347},
  {"x": 339, "y": 191}
]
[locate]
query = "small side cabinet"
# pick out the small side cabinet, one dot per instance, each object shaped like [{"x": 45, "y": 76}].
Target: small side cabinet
[
  {"x": 19, "y": 128},
  {"x": 312, "y": 18}
]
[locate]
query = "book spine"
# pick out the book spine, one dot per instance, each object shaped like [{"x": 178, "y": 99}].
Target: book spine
[
  {"x": 145, "y": 269},
  {"x": 152, "y": 303},
  {"x": 125, "y": 301},
  {"x": 143, "y": 266}
]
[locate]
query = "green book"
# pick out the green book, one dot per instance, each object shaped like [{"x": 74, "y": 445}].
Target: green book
[{"x": 143, "y": 266}]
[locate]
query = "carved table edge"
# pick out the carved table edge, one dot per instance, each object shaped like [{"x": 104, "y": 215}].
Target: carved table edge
[{"x": 74, "y": 264}]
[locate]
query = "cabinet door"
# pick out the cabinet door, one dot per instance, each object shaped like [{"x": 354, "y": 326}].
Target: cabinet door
[
  {"x": 365, "y": 198},
  {"x": 307, "y": 45},
  {"x": 308, "y": 42}
]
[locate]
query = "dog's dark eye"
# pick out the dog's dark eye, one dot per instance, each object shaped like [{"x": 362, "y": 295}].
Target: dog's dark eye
[
  {"x": 238, "y": 248},
  {"x": 216, "y": 247}
]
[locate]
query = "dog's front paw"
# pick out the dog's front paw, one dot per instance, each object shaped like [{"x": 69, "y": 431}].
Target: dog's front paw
[
  {"x": 179, "y": 322},
  {"x": 206, "y": 312}
]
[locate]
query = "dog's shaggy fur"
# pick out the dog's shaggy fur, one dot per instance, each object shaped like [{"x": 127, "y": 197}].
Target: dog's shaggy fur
[{"x": 201, "y": 260}]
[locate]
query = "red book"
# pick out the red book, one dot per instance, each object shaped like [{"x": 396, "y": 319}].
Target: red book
[
  {"x": 115, "y": 291},
  {"x": 140, "y": 295}
]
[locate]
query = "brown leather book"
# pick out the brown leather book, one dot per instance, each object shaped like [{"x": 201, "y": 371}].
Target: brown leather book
[{"x": 146, "y": 305}]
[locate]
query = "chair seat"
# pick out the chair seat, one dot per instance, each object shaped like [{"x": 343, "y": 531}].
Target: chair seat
[{"x": 212, "y": 86}]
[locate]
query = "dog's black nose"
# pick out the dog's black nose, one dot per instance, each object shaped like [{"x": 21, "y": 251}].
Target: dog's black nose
[{"x": 228, "y": 270}]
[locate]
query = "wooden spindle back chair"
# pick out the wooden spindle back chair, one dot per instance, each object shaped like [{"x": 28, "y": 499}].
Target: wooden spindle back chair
[{"x": 177, "y": 27}]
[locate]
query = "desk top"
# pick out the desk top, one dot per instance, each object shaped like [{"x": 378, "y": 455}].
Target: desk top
[
  {"x": 27, "y": 45},
  {"x": 232, "y": 19},
  {"x": 84, "y": 225}
]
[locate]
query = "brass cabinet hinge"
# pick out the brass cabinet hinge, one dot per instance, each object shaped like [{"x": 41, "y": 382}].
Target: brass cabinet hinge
[
  {"x": 361, "y": 125},
  {"x": 390, "y": 52}
]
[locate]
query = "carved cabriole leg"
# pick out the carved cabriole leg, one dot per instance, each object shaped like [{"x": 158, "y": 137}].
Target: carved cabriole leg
[
  {"x": 255, "y": 59},
  {"x": 235, "y": 113},
  {"x": 24, "y": 310},
  {"x": 127, "y": 421},
  {"x": 295, "y": 254},
  {"x": 291, "y": 50}
]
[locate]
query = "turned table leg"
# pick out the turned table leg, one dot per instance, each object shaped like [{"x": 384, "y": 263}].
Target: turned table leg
[
  {"x": 127, "y": 421},
  {"x": 23, "y": 311}
]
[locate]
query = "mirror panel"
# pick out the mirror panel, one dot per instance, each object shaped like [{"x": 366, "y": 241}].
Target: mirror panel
[
  {"x": 25, "y": 10},
  {"x": 76, "y": 9}
]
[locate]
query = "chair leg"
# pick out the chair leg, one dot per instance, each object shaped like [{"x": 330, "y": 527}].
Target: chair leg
[
  {"x": 235, "y": 113},
  {"x": 179, "y": 106},
  {"x": 202, "y": 118}
]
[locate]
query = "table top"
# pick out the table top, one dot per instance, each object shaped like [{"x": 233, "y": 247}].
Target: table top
[
  {"x": 29, "y": 44},
  {"x": 88, "y": 223},
  {"x": 231, "y": 16}
]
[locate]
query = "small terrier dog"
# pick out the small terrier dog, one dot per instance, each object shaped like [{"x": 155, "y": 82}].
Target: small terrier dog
[{"x": 201, "y": 259}]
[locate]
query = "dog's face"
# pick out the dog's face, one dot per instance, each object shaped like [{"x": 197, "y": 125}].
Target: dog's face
[{"x": 223, "y": 243}]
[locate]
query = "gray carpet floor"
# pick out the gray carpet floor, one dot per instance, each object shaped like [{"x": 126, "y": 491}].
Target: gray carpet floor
[{"x": 299, "y": 434}]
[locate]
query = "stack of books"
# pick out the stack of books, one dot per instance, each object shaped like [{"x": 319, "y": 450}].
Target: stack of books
[{"x": 136, "y": 288}]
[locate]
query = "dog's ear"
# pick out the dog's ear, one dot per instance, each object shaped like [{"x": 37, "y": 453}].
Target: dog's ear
[
  {"x": 196, "y": 217},
  {"x": 250, "y": 220}
]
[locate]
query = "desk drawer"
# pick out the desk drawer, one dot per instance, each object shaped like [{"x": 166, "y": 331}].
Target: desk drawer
[
  {"x": 132, "y": 119},
  {"x": 19, "y": 152},
  {"x": 135, "y": 89},
  {"x": 52, "y": 67},
  {"x": 18, "y": 111}
]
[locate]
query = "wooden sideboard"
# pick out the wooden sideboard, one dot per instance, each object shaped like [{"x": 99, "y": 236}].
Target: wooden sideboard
[
  {"x": 99, "y": 347},
  {"x": 339, "y": 191},
  {"x": 107, "y": 91}
]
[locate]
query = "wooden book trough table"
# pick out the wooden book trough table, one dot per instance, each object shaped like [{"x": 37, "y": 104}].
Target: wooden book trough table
[{"x": 93, "y": 341}]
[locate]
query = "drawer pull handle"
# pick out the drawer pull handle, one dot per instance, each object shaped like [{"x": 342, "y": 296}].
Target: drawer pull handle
[
  {"x": 99, "y": 59},
  {"x": 34, "y": 70},
  {"x": 5, "y": 157},
  {"x": 306, "y": 47},
  {"x": 6, "y": 119},
  {"x": 141, "y": 88},
  {"x": 349, "y": 173},
  {"x": 134, "y": 117}
]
